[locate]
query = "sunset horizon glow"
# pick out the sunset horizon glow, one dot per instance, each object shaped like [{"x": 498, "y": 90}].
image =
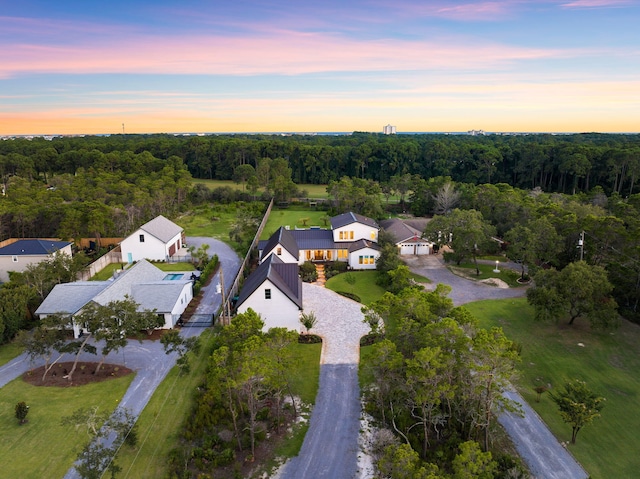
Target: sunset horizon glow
[{"x": 211, "y": 67}]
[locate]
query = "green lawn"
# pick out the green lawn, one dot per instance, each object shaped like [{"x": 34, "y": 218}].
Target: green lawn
[
  {"x": 313, "y": 191},
  {"x": 160, "y": 422},
  {"x": 468, "y": 270},
  {"x": 9, "y": 351},
  {"x": 294, "y": 216},
  {"x": 365, "y": 286},
  {"x": 608, "y": 362},
  {"x": 107, "y": 272},
  {"x": 43, "y": 447}
]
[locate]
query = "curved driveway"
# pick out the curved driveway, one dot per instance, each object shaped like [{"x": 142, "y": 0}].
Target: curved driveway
[{"x": 148, "y": 358}]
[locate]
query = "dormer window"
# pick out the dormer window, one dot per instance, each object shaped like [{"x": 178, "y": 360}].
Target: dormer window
[{"x": 279, "y": 251}]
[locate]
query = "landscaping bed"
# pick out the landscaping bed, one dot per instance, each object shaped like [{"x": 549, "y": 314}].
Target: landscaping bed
[{"x": 84, "y": 374}]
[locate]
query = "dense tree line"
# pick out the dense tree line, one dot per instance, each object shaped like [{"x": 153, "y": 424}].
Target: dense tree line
[{"x": 560, "y": 163}]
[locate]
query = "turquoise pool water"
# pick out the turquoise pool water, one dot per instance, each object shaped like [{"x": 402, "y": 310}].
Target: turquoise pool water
[{"x": 173, "y": 276}]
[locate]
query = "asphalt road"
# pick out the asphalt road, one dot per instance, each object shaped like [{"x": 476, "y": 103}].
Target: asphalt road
[{"x": 148, "y": 359}]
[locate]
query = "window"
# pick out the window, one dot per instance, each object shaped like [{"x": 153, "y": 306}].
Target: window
[
  {"x": 279, "y": 251},
  {"x": 267, "y": 294},
  {"x": 141, "y": 238},
  {"x": 350, "y": 234},
  {"x": 341, "y": 235},
  {"x": 14, "y": 259},
  {"x": 342, "y": 253},
  {"x": 366, "y": 260},
  {"x": 373, "y": 234}
]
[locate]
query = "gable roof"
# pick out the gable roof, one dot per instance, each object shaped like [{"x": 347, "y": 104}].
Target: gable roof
[
  {"x": 143, "y": 282},
  {"x": 284, "y": 276},
  {"x": 282, "y": 237},
  {"x": 162, "y": 228},
  {"x": 69, "y": 298},
  {"x": 33, "y": 247},
  {"x": 362, "y": 244},
  {"x": 401, "y": 231},
  {"x": 347, "y": 218}
]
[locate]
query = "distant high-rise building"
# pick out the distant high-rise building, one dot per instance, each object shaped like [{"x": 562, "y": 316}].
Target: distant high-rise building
[{"x": 389, "y": 130}]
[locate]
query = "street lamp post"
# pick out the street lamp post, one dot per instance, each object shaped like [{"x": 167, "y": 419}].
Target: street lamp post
[{"x": 497, "y": 270}]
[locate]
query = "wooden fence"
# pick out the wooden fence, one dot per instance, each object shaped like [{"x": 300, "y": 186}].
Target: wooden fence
[
  {"x": 113, "y": 256},
  {"x": 225, "y": 308}
]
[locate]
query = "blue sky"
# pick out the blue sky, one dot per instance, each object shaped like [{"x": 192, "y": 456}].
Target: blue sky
[{"x": 209, "y": 66}]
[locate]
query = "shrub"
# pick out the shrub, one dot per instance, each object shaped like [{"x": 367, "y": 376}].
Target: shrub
[{"x": 308, "y": 272}]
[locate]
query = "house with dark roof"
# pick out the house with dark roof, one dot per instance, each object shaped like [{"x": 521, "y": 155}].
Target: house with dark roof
[
  {"x": 18, "y": 255},
  {"x": 274, "y": 290},
  {"x": 150, "y": 287},
  {"x": 407, "y": 238},
  {"x": 159, "y": 240},
  {"x": 348, "y": 231}
]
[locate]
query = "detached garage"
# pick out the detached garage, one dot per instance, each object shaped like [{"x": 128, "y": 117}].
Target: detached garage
[{"x": 407, "y": 238}]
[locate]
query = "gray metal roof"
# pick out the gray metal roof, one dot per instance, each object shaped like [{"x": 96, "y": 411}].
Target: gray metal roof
[
  {"x": 282, "y": 237},
  {"x": 347, "y": 218},
  {"x": 69, "y": 298},
  {"x": 162, "y": 228},
  {"x": 314, "y": 239},
  {"x": 161, "y": 295},
  {"x": 33, "y": 247},
  {"x": 284, "y": 276},
  {"x": 362, "y": 244},
  {"x": 143, "y": 282}
]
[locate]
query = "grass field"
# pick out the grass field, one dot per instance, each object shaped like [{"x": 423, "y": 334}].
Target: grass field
[
  {"x": 468, "y": 270},
  {"x": 209, "y": 220},
  {"x": 160, "y": 423},
  {"x": 365, "y": 286},
  {"x": 607, "y": 362},
  {"x": 294, "y": 216},
  {"x": 43, "y": 447},
  {"x": 313, "y": 191},
  {"x": 9, "y": 351}
]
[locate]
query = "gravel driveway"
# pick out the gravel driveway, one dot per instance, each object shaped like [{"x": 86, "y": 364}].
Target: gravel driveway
[{"x": 330, "y": 447}]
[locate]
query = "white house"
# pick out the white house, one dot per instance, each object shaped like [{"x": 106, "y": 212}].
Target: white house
[
  {"x": 353, "y": 227},
  {"x": 274, "y": 290},
  {"x": 407, "y": 238},
  {"x": 18, "y": 255},
  {"x": 317, "y": 244},
  {"x": 363, "y": 254},
  {"x": 168, "y": 294},
  {"x": 159, "y": 239}
]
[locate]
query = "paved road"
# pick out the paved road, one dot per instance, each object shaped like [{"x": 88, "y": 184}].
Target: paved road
[
  {"x": 330, "y": 449},
  {"x": 537, "y": 446},
  {"x": 148, "y": 359}
]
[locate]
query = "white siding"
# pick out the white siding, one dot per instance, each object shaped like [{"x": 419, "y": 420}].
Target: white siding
[
  {"x": 366, "y": 253},
  {"x": 277, "y": 312},
  {"x": 284, "y": 255},
  {"x": 152, "y": 248},
  {"x": 360, "y": 231},
  {"x": 186, "y": 295}
]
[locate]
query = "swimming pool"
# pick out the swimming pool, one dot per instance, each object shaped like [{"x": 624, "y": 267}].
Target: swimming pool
[{"x": 173, "y": 277}]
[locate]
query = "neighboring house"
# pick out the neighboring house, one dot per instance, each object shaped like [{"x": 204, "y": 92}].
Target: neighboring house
[
  {"x": 159, "y": 239},
  {"x": 337, "y": 244},
  {"x": 274, "y": 290},
  {"x": 153, "y": 289},
  {"x": 20, "y": 254},
  {"x": 407, "y": 238}
]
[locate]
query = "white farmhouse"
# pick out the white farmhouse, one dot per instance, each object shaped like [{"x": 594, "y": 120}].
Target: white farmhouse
[{"x": 159, "y": 240}]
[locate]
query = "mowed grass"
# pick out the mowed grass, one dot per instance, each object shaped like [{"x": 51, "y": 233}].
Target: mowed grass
[
  {"x": 365, "y": 285},
  {"x": 468, "y": 270},
  {"x": 9, "y": 351},
  {"x": 43, "y": 447},
  {"x": 609, "y": 363},
  {"x": 313, "y": 191},
  {"x": 160, "y": 423},
  {"x": 294, "y": 216},
  {"x": 107, "y": 272}
]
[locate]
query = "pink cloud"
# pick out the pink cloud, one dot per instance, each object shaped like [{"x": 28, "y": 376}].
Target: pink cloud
[
  {"x": 595, "y": 3},
  {"x": 470, "y": 11},
  {"x": 287, "y": 53}
]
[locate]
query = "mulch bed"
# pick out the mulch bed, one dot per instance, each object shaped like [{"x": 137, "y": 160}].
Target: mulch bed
[{"x": 84, "y": 374}]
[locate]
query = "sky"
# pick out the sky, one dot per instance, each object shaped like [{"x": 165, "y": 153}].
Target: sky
[{"x": 159, "y": 66}]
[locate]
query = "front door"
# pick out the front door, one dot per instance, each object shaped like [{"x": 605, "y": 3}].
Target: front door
[{"x": 129, "y": 258}]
